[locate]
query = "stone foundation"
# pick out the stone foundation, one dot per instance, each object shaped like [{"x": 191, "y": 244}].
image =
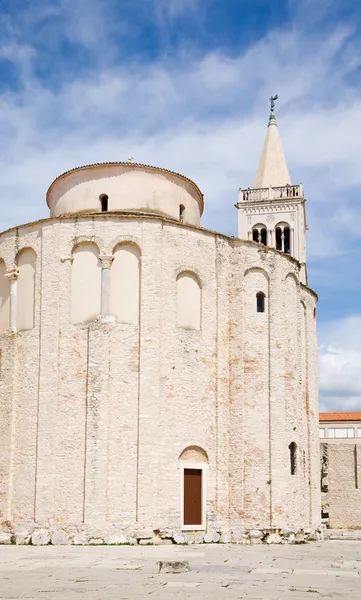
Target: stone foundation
[{"x": 42, "y": 536}]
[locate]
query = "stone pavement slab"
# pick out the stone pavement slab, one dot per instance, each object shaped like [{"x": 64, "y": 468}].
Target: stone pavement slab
[{"x": 327, "y": 570}]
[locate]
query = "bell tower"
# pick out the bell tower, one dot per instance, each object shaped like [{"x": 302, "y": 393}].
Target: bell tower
[{"x": 273, "y": 213}]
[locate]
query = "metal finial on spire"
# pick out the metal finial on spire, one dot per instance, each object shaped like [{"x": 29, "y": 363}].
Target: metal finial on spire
[{"x": 272, "y": 118}]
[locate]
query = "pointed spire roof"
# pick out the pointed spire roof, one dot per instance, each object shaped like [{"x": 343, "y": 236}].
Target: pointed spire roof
[{"x": 272, "y": 169}]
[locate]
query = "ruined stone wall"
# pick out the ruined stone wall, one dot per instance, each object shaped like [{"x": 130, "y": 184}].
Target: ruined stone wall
[
  {"x": 95, "y": 417},
  {"x": 341, "y": 483}
]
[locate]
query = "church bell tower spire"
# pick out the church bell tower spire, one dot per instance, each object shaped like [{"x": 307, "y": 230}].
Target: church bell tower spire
[{"x": 272, "y": 213}]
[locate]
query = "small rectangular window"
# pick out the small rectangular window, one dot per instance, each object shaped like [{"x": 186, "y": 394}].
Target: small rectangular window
[
  {"x": 322, "y": 433},
  {"x": 260, "y": 302},
  {"x": 330, "y": 433},
  {"x": 340, "y": 432},
  {"x": 359, "y": 432},
  {"x": 350, "y": 432}
]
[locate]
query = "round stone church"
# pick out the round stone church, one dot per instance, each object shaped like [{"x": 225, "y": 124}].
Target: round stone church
[{"x": 158, "y": 380}]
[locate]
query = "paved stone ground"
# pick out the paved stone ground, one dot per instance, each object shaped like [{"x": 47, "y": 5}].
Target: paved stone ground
[{"x": 316, "y": 570}]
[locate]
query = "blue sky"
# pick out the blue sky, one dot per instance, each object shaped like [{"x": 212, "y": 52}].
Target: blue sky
[{"x": 184, "y": 84}]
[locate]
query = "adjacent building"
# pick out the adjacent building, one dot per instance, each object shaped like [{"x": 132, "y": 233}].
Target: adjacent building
[{"x": 340, "y": 435}]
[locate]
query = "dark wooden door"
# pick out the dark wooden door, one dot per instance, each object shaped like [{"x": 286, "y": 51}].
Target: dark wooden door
[{"x": 192, "y": 496}]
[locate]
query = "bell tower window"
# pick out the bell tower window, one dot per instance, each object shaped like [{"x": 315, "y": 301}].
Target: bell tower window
[
  {"x": 181, "y": 212},
  {"x": 259, "y": 234},
  {"x": 283, "y": 238},
  {"x": 104, "y": 202}
]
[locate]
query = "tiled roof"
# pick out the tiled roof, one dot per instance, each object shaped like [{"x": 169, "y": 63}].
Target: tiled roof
[{"x": 340, "y": 416}]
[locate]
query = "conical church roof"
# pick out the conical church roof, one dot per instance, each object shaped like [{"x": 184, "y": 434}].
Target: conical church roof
[{"x": 272, "y": 169}]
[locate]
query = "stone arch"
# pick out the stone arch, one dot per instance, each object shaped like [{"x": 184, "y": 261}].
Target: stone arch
[
  {"x": 190, "y": 269},
  {"x": 291, "y": 275},
  {"x": 25, "y": 261},
  {"x": 89, "y": 239},
  {"x": 194, "y": 454},
  {"x": 124, "y": 239},
  {"x": 85, "y": 282},
  {"x": 255, "y": 270},
  {"x": 188, "y": 300},
  {"x": 4, "y": 298},
  {"x": 125, "y": 283}
]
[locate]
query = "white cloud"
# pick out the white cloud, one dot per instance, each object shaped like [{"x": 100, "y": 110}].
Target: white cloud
[{"x": 340, "y": 364}]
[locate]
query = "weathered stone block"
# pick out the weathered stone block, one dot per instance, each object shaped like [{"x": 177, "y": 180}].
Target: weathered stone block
[
  {"x": 6, "y": 538},
  {"x": 144, "y": 534},
  {"x": 173, "y": 566},
  {"x": 22, "y": 538},
  {"x": 96, "y": 541},
  {"x": 40, "y": 537},
  {"x": 179, "y": 539},
  {"x": 255, "y": 534},
  {"x": 80, "y": 539},
  {"x": 225, "y": 538},
  {"x": 274, "y": 538},
  {"x": 117, "y": 540},
  {"x": 60, "y": 538},
  {"x": 211, "y": 537}
]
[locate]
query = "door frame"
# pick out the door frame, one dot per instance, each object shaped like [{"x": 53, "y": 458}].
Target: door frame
[{"x": 202, "y": 467}]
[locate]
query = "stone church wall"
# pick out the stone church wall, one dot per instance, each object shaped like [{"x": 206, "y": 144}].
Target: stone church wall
[{"x": 95, "y": 415}]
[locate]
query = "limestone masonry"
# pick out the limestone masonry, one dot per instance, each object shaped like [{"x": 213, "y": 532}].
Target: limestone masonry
[{"x": 158, "y": 380}]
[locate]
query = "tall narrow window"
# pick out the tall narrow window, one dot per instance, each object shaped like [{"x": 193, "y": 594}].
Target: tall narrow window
[
  {"x": 260, "y": 302},
  {"x": 104, "y": 202},
  {"x": 293, "y": 457},
  {"x": 181, "y": 212},
  {"x": 26, "y": 263},
  {"x": 189, "y": 301}
]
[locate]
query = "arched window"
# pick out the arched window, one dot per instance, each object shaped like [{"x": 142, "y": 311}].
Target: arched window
[
  {"x": 4, "y": 299},
  {"x": 181, "y": 212},
  {"x": 188, "y": 301},
  {"x": 259, "y": 234},
  {"x": 125, "y": 284},
  {"x": 25, "y": 307},
  {"x": 260, "y": 302},
  {"x": 104, "y": 202},
  {"x": 293, "y": 457},
  {"x": 283, "y": 238},
  {"x": 85, "y": 283}
]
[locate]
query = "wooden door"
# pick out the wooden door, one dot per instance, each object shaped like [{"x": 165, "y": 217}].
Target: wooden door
[{"x": 192, "y": 496}]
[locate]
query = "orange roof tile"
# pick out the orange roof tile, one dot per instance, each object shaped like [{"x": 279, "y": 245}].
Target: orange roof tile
[{"x": 340, "y": 416}]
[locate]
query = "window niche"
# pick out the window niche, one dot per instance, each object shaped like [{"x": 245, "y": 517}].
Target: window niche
[
  {"x": 188, "y": 301},
  {"x": 260, "y": 297},
  {"x": 25, "y": 307},
  {"x": 104, "y": 202},
  {"x": 181, "y": 212},
  {"x": 85, "y": 283}
]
